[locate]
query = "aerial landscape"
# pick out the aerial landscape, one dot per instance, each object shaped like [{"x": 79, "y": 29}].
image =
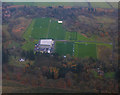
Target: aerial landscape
[{"x": 60, "y": 47}]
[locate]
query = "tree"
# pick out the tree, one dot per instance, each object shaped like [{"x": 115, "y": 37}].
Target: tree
[
  {"x": 30, "y": 55},
  {"x": 5, "y": 56}
]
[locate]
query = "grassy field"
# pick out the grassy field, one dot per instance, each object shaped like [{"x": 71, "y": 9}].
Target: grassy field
[
  {"x": 64, "y": 48},
  {"x": 27, "y": 34},
  {"x": 81, "y": 4},
  {"x": 85, "y": 50},
  {"x": 40, "y": 28},
  {"x": 9, "y": 86},
  {"x": 71, "y": 36},
  {"x": 100, "y": 5},
  {"x": 29, "y": 45},
  {"x": 47, "y": 28},
  {"x": 42, "y": 4},
  {"x": 100, "y": 44}
]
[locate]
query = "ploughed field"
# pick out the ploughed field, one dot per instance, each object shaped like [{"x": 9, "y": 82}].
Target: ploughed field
[{"x": 47, "y": 28}]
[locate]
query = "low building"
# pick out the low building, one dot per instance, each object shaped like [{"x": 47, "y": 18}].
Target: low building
[
  {"x": 60, "y": 21},
  {"x": 22, "y": 60},
  {"x": 45, "y": 46}
]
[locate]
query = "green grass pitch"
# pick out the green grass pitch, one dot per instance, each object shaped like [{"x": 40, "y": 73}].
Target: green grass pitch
[
  {"x": 85, "y": 50},
  {"x": 64, "y": 48}
]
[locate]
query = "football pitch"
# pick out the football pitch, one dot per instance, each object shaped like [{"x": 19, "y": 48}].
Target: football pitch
[
  {"x": 45, "y": 28},
  {"x": 85, "y": 50},
  {"x": 76, "y": 49}
]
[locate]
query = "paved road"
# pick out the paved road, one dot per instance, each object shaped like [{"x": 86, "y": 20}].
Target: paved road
[{"x": 84, "y": 41}]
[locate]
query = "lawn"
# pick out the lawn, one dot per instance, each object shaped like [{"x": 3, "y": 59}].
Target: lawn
[
  {"x": 56, "y": 31},
  {"x": 81, "y": 4},
  {"x": 85, "y": 50},
  {"x": 47, "y": 28},
  {"x": 76, "y": 49},
  {"x": 10, "y": 86},
  {"x": 64, "y": 48},
  {"x": 98, "y": 44},
  {"x": 100, "y": 5},
  {"x": 28, "y": 45},
  {"x": 46, "y": 4},
  {"x": 27, "y": 34},
  {"x": 71, "y": 36},
  {"x": 40, "y": 28}
]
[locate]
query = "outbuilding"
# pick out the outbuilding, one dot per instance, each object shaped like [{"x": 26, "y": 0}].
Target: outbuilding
[
  {"x": 22, "y": 60},
  {"x": 60, "y": 21}
]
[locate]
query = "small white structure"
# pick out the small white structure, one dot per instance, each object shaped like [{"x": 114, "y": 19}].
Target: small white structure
[
  {"x": 48, "y": 51},
  {"x": 22, "y": 60},
  {"x": 64, "y": 56},
  {"x": 60, "y": 21}
]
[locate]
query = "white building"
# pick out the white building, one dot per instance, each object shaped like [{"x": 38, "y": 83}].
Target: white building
[
  {"x": 60, "y": 21},
  {"x": 46, "y": 42},
  {"x": 45, "y": 46},
  {"x": 22, "y": 60}
]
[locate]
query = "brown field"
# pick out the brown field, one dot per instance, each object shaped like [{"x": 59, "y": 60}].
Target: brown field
[{"x": 20, "y": 28}]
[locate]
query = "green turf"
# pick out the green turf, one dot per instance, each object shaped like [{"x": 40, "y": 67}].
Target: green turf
[
  {"x": 64, "y": 48},
  {"x": 41, "y": 4},
  {"x": 103, "y": 44},
  {"x": 47, "y": 28},
  {"x": 81, "y": 4},
  {"x": 28, "y": 45},
  {"x": 71, "y": 36},
  {"x": 56, "y": 31},
  {"x": 27, "y": 34},
  {"x": 85, "y": 50},
  {"x": 40, "y": 28},
  {"x": 100, "y": 5}
]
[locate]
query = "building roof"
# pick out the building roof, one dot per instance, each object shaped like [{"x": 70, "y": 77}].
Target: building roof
[
  {"x": 60, "y": 21},
  {"x": 21, "y": 60},
  {"x": 46, "y": 42}
]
